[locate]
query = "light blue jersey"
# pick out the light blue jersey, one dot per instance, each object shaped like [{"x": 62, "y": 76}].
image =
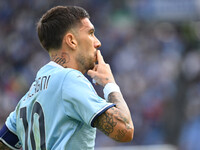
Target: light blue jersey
[{"x": 58, "y": 111}]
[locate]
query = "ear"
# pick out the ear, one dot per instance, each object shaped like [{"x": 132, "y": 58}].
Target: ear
[{"x": 70, "y": 40}]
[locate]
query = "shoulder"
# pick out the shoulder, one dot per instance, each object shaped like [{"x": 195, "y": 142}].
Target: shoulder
[
  {"x": 75, "y": 82},
  {"x": 76, "y": 76}
]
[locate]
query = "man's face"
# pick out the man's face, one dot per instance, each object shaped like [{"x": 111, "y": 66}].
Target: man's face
[{"x": 87, "y": 46}]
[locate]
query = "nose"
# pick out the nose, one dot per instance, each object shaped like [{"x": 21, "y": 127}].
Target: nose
[{"x": 97, "y": 43}]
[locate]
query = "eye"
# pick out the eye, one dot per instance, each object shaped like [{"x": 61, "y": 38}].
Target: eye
[{"x": 92, "y": 33}]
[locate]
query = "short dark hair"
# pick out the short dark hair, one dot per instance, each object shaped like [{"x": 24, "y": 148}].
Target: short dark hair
[{"x": 53, "y": 25}]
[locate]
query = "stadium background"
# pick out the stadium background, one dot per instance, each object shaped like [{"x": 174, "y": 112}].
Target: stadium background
[{"x": 153, "y": 49}]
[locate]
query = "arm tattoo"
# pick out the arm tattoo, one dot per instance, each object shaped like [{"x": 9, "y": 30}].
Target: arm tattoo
[
  {"x": 120, "y": 134},
  {"x": 116, "y": 122},
  {"x": 3, "y": 146},
  {"x": 105, "y": 123},
  {"x": 124, "y": 119},
  {"x": 114, "y": 97},
  {"x": 108, "y": 121}
]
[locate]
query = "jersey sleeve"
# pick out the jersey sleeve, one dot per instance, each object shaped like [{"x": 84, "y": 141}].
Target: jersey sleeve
[
  {"x": 81, "y": 101},
  {"x": 11, "y": 122},
  {"x": 8, "y": 133}
]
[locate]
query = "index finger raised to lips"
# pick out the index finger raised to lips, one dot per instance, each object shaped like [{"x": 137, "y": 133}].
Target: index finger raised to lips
[{"x": 100, "y": 57}]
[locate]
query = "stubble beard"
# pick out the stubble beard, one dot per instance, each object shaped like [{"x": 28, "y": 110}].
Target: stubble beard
[{"x": 85, "y": 63}]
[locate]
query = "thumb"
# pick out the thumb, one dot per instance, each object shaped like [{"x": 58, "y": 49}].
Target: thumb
[{"x": 91, "y": 73}]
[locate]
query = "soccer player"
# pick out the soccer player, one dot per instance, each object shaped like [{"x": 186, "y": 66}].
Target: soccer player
[{"x": 61, "y": 110}]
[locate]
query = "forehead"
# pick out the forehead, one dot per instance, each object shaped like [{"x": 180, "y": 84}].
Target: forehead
[{"x": 86, "y": 24}]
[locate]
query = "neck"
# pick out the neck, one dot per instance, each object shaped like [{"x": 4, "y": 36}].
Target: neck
[
  {"x": 61, "y": 58},
  {"x": 64, "y": 59}
]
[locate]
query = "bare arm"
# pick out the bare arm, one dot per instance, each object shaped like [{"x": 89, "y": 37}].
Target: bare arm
[
  {"x": 3, "y": 146},
  {"x": 116, "y": 122}
]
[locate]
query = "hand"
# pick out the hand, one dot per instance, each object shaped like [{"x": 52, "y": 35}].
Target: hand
[{"x": 101, "y": 73}]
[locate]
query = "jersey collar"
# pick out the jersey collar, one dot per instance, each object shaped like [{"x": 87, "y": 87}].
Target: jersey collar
[{"x": 52, "y": 63}]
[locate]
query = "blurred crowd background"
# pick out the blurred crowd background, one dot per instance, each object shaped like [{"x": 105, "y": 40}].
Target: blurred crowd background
[{"x": 153, "y": 47}]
